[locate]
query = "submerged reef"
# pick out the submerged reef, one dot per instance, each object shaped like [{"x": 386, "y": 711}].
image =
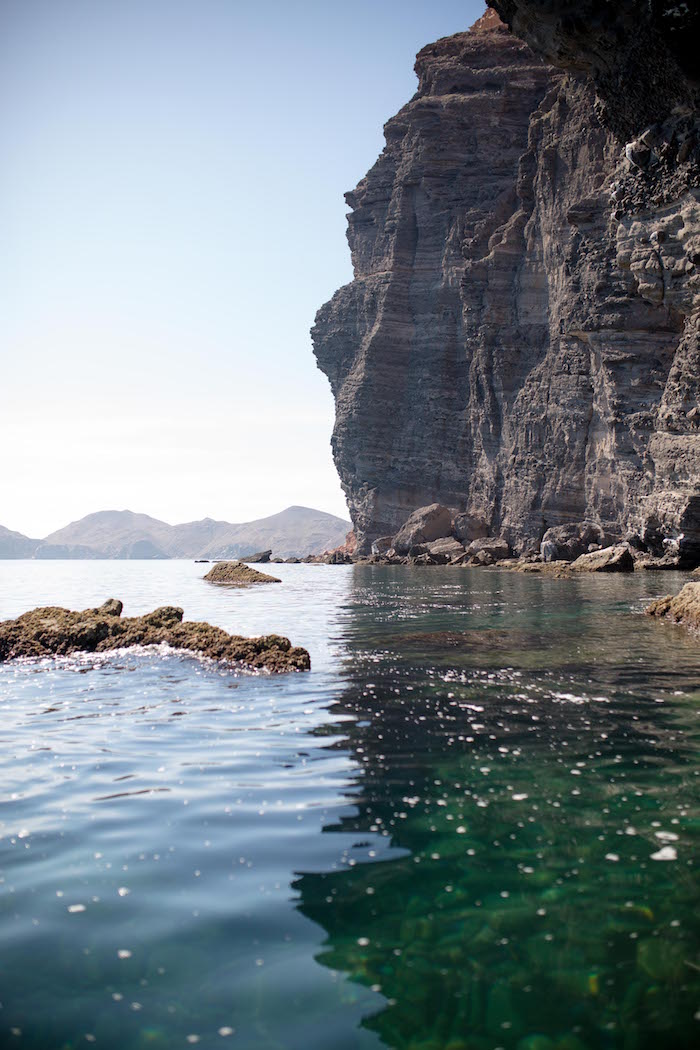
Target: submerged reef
[{"x": 55, "y": 631}]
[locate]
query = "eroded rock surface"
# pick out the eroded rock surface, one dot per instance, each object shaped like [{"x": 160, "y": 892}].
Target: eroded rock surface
[
  {"x": 520, "y": 341},
  {"x": 424, "y": 525},
  {"x": 617, "y": 558},
  {"x": 236, "y": 574},
  {"x": 56, "y": 631},
  {"x": 680, "y": 608},
  {"x": 568, "y": 542}
]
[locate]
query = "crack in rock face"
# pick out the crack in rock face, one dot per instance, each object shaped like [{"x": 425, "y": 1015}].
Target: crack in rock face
[{"x": 520, "y": 341}]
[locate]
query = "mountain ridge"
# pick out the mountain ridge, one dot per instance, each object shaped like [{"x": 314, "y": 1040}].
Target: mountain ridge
[{"x": 125, "y": 534}]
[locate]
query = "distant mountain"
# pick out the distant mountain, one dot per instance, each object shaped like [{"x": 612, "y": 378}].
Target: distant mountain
[
  {"x": 294, "y": 531},
  {"x": 123, "y": 534},
  {"x": 15, "y": 545},
  {"x": 112, "y": 534}
]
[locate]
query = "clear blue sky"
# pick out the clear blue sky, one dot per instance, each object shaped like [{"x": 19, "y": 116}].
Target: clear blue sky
[{"x": 171, "y": 218}]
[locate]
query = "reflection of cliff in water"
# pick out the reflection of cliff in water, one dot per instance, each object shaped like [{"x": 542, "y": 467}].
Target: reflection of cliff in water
[{"x": 527, "y": 785}]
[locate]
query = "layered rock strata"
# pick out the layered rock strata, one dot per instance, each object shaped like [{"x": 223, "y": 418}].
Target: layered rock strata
[
  {"x": 520, "y": 341},
  {"x": 55, "y": 631}
]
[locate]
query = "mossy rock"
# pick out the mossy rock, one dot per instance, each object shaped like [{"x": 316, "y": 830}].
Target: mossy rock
[
  {"x": 55, "y": 631},
  {"x": 236, "y": 574}
]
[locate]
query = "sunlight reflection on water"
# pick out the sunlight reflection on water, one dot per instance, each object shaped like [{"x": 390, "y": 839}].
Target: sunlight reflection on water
[{"x": 474, "y": 822}]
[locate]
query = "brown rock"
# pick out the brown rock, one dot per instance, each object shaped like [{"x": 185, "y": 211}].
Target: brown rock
[
  {"x": 680, "y": 608},
  {"x": 235, "y": 574},
  {"x": 425, "y": 524},
  {"x": 609, "y": 559},
  {"x": 650, "y": 564},
  {"x": 56, "y": 631}
]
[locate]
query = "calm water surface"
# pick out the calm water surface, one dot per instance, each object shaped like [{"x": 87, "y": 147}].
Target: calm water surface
[{"x": 475, "y": 824}]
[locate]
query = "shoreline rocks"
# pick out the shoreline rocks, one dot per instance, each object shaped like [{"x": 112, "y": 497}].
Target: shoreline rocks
[
  {"x": 236, "y": 574},
  {"x": 568, "y": 542},
  {"x": 609, "y": 559},
  {"x": 424, "y": 525},
  {"x": 53, "y": 631},
  {"x": 682, "y": 608}
]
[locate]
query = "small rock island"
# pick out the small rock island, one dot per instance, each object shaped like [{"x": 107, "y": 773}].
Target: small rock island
[
  {"x": 55, "y": 631},
  {"x": 236, "y": 574}
]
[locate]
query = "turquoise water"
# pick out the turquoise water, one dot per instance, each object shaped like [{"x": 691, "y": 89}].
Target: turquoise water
[{"x": 475, "y": 823}]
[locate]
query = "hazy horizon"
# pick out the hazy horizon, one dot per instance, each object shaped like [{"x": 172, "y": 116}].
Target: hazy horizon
[
  {"x": 189, "y": 521},
  {"x": 172, "y": 204}
]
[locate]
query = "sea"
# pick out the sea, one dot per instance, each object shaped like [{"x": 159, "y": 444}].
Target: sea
[{"x": 473, "y": 825}]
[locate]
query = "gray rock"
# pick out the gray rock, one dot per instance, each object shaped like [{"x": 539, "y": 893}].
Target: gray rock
[
  {"x": 609, "y": 559},
  {"x": 468, "y": 527},
  {"x": 382, "y": 544},
  {"x": 429, "y": 559},
  {"x": 514, "y": 341},
  {"x": 336, "y": 558},
  {"x": 416, "y": 550},
  {"x": 494, "y": 546},
  {"x": 568, "y": 542},
  {"x": 424, "y": 524},
  {"x": 448, "y": 546},
  {"x": 261, "y": 558}
]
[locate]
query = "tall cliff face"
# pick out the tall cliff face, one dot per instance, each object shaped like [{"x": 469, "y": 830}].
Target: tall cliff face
[{"x": 521, "y": 337}]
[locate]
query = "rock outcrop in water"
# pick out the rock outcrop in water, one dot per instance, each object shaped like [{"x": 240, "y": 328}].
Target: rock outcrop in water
[
  {"x": 681, "y": 608},
  {"x": 520, "y": 341},
  {"x": 55, "y": 631},
  {"x": 236, "y": 574}
]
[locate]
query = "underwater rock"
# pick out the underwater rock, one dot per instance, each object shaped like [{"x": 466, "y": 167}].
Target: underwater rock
[
  {"x": 55, "y": 631},
  {"x": 536, "y": 1042},
  {"x": 661, "y": 959},
  {"x": 235, "y": 574}
]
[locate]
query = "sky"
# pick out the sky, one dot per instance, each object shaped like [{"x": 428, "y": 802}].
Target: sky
[{"x": 171, "y": 218}]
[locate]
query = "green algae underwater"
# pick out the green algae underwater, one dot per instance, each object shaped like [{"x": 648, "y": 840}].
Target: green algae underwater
[
  {"x": 473, "y": 825},
  {"x": 540, "y": 770}
]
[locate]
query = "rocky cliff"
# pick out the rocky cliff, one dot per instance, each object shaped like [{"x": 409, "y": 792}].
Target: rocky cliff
[{"x": 520, "y": 341}]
